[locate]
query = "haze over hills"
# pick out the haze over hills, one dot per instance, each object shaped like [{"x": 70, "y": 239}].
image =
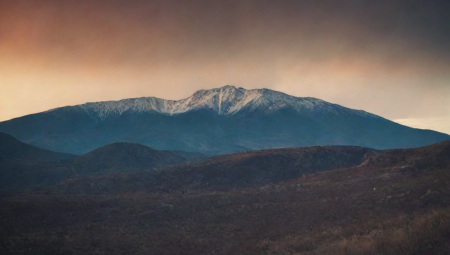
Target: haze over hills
[
  {"x": 12, "y": 149},
  {"x": 24, "y": 166},
  {"x": 216, "y": 121}
]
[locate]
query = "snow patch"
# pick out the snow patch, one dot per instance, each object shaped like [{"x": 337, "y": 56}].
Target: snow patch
[{"x": 227, "y": 100}]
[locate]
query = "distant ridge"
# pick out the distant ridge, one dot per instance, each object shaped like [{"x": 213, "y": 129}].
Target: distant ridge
[
  {"x": 13, "y": 149},
  {"x": 24, "y": 166},
  {"x": 129, "y": 156},
  {"x": 227, "y": 100},
  {"x": 215, "y": 121},
  {"x": 263, "y": 168}
]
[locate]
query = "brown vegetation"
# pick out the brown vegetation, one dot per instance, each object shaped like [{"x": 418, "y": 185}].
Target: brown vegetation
[{"x": 395, "y": 202}]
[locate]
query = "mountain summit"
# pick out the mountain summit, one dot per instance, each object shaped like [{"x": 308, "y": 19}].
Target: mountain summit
[
  {"x": 227, "y": 100},
  {"x": 214, "y": 121}
]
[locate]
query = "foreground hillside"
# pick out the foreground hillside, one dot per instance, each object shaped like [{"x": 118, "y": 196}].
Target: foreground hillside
[
  {"x": 216, "y": 121},
  {"x": 392, "y": 202}
]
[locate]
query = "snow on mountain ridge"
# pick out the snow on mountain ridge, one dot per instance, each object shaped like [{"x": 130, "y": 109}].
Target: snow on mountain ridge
[{"x": 227, "y": 100}]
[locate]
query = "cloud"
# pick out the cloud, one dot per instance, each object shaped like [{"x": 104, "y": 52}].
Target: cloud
[{"x": 391, "y": 58}]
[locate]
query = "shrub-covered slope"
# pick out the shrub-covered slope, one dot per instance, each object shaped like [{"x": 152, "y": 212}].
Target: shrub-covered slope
[{"x": 395, "y": 202}]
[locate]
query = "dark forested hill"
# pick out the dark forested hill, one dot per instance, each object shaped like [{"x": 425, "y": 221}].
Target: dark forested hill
[
  {"x": 23, "y": 166},
  {"x": 13, "y": 149}
]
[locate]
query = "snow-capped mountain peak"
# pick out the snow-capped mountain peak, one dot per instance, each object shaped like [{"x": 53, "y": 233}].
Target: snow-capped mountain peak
[
  {"x": 226, "y": 100},
  {"x": 219, "y": 120},
  {"x": 229, "y": 100}
]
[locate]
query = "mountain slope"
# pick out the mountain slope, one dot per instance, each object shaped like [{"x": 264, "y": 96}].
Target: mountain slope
[
  {"x": 228, "y": 172},
  {"x": 266, "y": 167},
  {"x": 395, "y": 202},
  {"x": 128, "y": 156},
  {"x": 12, "y": 149},
  {"x": 216, "y": 121},
  {"x": 23, "y": 166}
]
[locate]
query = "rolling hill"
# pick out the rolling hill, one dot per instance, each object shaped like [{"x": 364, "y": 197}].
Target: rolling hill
[
  {"x": 372, "y": 203},
  {"x": 24, "y": 166},
  {"x": 12, "y": 149},
  {"x": 226, "y": 172}
]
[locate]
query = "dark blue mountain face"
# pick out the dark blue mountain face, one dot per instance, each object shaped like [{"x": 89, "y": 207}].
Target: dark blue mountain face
[
  {"x": 258, "y": 119},
  {"x": 12, "y": 149}
]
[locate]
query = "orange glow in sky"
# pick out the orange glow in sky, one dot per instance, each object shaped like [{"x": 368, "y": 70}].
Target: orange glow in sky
[{"x": 391, "y": 59}]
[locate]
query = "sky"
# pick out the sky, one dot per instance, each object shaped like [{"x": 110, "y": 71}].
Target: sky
[{"x": 390, "y": 58}]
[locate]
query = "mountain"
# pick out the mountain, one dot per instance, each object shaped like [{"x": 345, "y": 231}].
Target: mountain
[
  {"x": 23, "y": 166},
  {"x": 12, "y": 149},
  {"x": 372, "y": 203},
  {"x": 260, "y": 168},
  {"x": 215, "y": 121},
  {"x": 228, "y": 172},
  {"x": 127, "y": 157}
]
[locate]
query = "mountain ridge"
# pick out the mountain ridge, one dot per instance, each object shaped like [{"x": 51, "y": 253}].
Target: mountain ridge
[
  {"x": 226, "y": 100},
  {"x": 216, "y": 121},
  {"x": 23, "y": 166},
  {"x": 13, "y": 149},
  {"x": 124, "y": 156},
  {"x": 261, "y": 168}
]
